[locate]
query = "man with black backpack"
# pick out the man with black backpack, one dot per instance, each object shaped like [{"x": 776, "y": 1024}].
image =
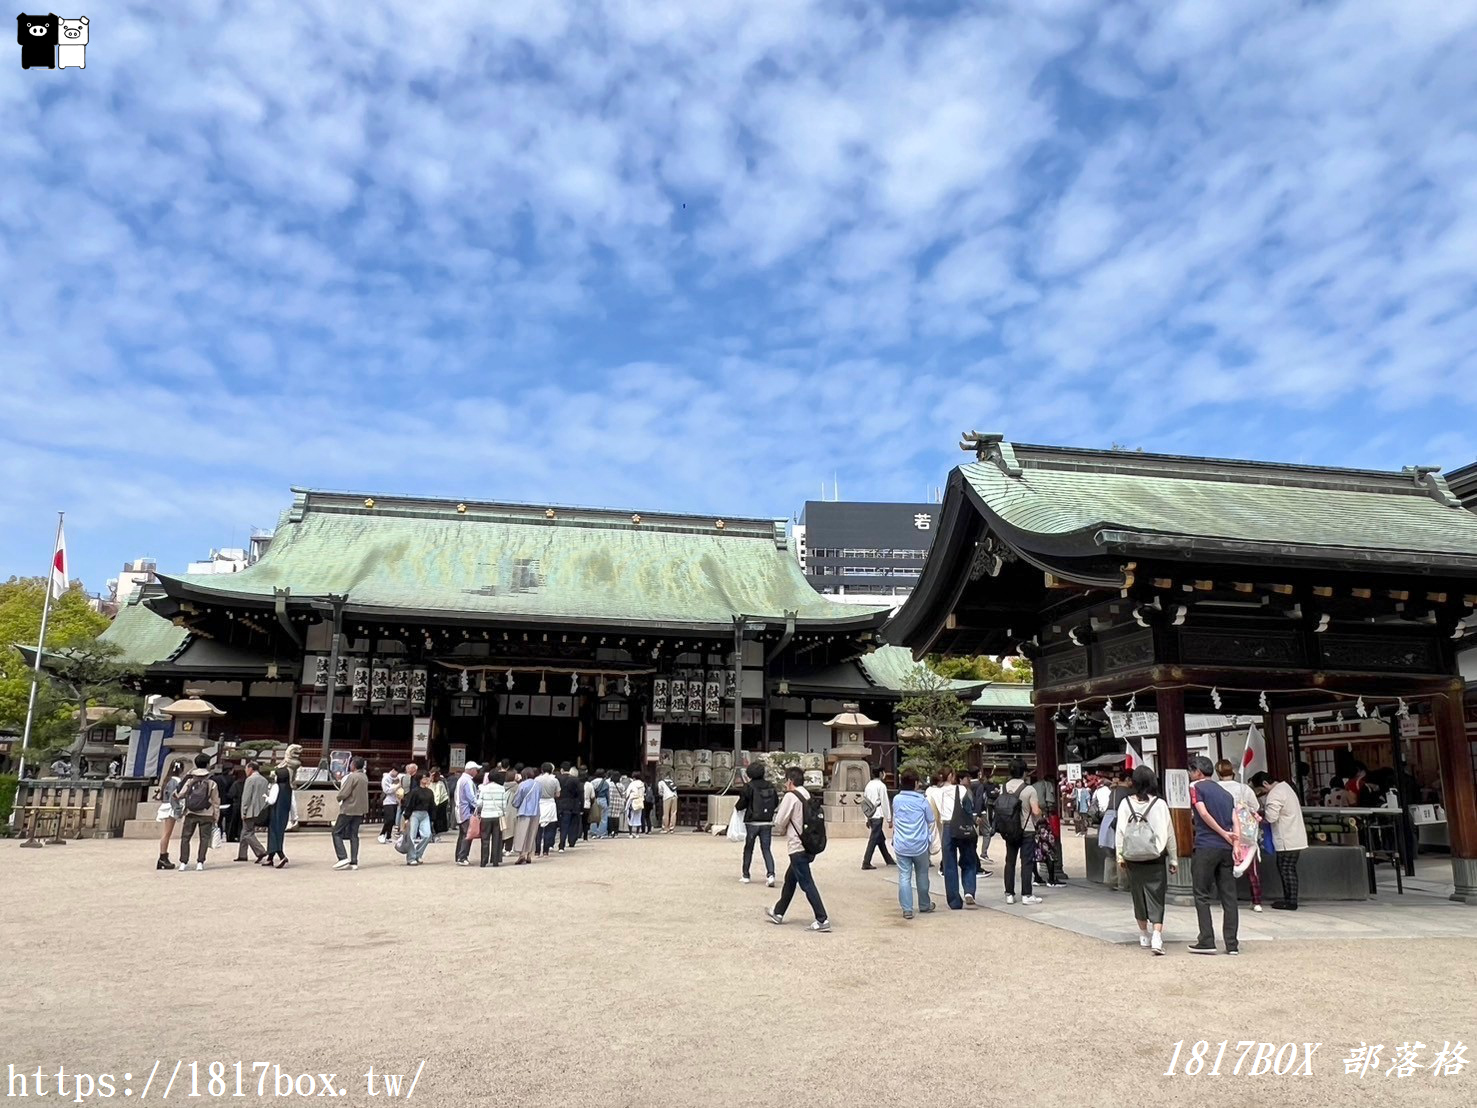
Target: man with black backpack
[
  {"x": 758, "y": 800},
  {"x": 1017, "y": 809},
  {"x": 202, "y": 805},
  {"x": 803, "y": 823}
]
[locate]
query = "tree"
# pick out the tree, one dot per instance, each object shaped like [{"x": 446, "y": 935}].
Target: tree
[
  {"x": 88, "y": 672},
  {"x": 933, "y": 717},
  {"x": 982, "y": 667},
  {"x": 71, "y": 621}
]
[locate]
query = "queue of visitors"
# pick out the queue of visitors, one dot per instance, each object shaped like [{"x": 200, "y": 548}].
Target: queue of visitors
[{"x": 527, "y": 811}]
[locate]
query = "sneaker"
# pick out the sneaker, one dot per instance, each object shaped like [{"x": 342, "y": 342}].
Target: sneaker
[
  {"x": 1198, "y": 948},
  {"x": 463, "y": 862},
  {"x": 928, "y": 908},
  {"x": 561, "y": 850},
  {"x": 342, "y": 865},
  {"x": 1144, "y": 939},
  {"x": 869, "y": 867},
  {"x": 384, "y": 838},
  {"x": 1233, "y": 950},
  {"x": 769, "y": 881},
  {"x": 182, "y": 867},
  {"x": 199, "y": 866},
  {"x": 821, "y": 925},
  {"x": 986, "y": 874},
  {"x": 353, "y": 865},
  {"x": 969, "y": 900},
  {"x": 907, "y": 915},
  {"x": 1256, "y": 907},
  {"x": 1055, "y": 885},
  {"x": 1030, "y": 900},
  {"x": 1283, "y": 906},
  {"x": 771, "y": 917},
  {"x": 1156, "y": 944},
  {"x": 743, "y": 880},
  {"x": 1010, "y": 898}
]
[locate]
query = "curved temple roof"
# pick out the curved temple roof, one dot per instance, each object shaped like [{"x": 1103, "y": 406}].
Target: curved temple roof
[{"x": 407, "y": 557}]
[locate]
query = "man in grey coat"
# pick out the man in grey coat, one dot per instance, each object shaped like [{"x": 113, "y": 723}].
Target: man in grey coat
[
  {"x": 253, "y": 804},
  {"x": 353, "y": 806}
]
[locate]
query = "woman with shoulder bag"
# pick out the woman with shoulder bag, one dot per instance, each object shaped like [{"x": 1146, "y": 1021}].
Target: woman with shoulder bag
[
  {"x": 171, "y": 808},
  {"x": 1144, "y": 837},
  {"x": 279, "y": 809}
]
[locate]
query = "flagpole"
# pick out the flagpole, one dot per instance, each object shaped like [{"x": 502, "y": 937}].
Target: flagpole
[{"x": 40, "y": 647}]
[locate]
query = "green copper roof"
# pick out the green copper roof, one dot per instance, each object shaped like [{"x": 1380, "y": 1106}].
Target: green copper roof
[
  {"x": 144, "y": 638},
  {"x": 520, "y": 562},
  {"x": 1115, "y": 500},
  {"x": 893, "y": 667},
  {"x": 1005, "y": 695}
]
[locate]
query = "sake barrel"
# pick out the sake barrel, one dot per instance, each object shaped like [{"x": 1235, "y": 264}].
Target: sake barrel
[
  {"x": 682, "y": 777},
  {"x": 722, "y": 760},
  {"x": 683, "y": 758},
  {"x": 703, "y": 777},
  {"x": 665, "y": 757},
  {"x": 814, "y": 779},
  {"x": 704, "y": 757}
]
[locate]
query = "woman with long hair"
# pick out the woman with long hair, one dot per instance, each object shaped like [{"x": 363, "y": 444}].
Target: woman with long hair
[
  {"x": 281, "y": 811},
  {"x": 170, "y": 810},
  {"x": 1144, "y": 835}
]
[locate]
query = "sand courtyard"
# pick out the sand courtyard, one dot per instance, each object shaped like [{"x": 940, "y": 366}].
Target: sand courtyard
[{"x": 643, "y": 973}]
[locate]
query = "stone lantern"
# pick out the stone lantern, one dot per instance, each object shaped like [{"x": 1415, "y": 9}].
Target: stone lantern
[
  {"x": 849, "y": 764},
  {"x": 192, "y": 718}
]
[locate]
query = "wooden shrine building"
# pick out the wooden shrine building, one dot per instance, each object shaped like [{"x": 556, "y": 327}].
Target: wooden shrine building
[
  {"x": 398, "y": 627},
  {"x": 1183, "y": 583}
]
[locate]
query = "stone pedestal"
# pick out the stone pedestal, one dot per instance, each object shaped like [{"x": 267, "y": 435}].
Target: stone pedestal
[{"x": 1464, "y": 878}]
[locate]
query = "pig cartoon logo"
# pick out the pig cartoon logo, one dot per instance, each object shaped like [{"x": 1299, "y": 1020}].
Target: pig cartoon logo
[
  {"x": 72, "y": 43},
  {"x": 37, "y": 37}
]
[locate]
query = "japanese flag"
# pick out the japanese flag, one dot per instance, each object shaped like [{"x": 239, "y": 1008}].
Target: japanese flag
[
  {"x": 59, "y": 567},
  {"x": 1135, "y": 758},
  {"x": 1254, "y": 759}
]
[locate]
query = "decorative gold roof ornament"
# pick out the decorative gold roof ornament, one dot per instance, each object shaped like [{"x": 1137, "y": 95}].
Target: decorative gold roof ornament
[
  {"x": 461, "y": 509},
  {"x": 720, "y": 525},
  {"x": 369, "y": 502},
  {"x": 636, "y": 519},
  {"x": 548, "y": 513}
]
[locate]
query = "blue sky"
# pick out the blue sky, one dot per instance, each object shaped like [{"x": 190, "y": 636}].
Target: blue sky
[{"x": 700, "y": 256}]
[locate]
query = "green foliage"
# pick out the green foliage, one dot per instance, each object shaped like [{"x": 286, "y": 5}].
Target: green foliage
[
  {"x": 8, "y": 784},
  {"x": 71, "y": 622},
  {"x": 933, "y": 714},
  {"x": 982, "y": 667}
]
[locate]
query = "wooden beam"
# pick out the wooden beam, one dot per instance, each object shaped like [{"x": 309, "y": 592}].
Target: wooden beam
[
  {"x": 1361, "y": 594},
  {"x": 1164, "y": 582},
  {"x": 1204, "y": 586},
  {"x": 1281, "y": 590},
  {"x": 1436, "y": 597},
  {"x": 1398, "y": 594},
  {"x": 1242, "y": 586},
  {"x": 1323, "y": 590}
]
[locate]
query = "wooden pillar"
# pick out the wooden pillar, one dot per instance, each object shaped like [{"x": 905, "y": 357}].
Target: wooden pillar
[
  {"x": 1457, "y": 789},
  {"x": 1173, "y": 754},
  {"x": 1279, "y": 757},
  {"x": 1046, "y": 743}
]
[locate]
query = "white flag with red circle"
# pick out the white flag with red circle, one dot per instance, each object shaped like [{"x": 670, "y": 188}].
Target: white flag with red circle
[
  {"x": 59, "y": 566},
  {"x": 1254, "y": 758}
]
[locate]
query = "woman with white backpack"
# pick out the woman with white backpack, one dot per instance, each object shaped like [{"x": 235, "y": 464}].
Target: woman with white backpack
[{"x": 1144, "y": 834}]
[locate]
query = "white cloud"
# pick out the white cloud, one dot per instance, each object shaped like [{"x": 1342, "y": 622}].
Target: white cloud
[{"x": 702, "y": 255}]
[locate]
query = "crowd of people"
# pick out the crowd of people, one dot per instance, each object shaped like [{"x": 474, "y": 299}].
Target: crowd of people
[
  {"x": 523, "y": 811},
  {"x": 946, "y": 823}
]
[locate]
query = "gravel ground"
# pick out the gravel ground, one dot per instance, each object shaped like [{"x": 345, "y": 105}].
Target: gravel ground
[{"x": 643, "y": 973}]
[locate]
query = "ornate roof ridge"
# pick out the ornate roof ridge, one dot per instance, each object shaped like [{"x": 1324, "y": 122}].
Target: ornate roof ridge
[
  {"x": 1015, "y": 458},
  {"x": 306, "y": 500}
]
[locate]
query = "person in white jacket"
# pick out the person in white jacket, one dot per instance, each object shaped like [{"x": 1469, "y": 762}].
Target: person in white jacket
[
  {"x": 1283, "y": 812},
  {"x": 879, "y": 821},
  {"x": 1148, "y": 879}
]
